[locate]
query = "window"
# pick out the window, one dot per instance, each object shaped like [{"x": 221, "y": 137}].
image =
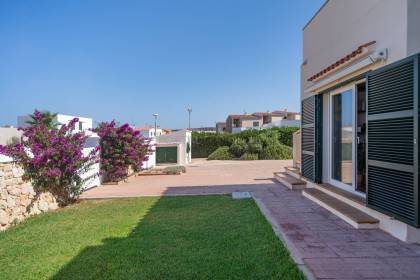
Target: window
[
  {"x": 256, "y": 124},
  {"x": 80, "y": 126},
  {"x": 236, "y": 123},
  {"x": 266, "y": 119}
]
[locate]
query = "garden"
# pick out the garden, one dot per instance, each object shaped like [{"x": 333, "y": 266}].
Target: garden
[
  {"x": 204, "y": 237},
  {"x": 53, "y": 158},
  {"x": 266, "y": 144}
]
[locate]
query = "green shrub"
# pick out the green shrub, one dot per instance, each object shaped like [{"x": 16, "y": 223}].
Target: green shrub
[
  {"x": 276, "y": 151},
  {"x": 221, "y": 153},
  {"x": 249, "y": 156},
  {"x": 176, "y": 169},
  {"x": 285, "y": 135},
  {"x": 203, "y": 144},
  {"x": 238, "y": 147},
  {"x": 254, "y": 145}
]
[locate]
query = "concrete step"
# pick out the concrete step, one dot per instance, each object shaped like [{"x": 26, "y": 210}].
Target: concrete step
[
  {"x": 294, "y": 172},
  {"x": 349, "y": 214},
  {"x": 289, "y": 181},
  {"x": 345, "y": 196}
]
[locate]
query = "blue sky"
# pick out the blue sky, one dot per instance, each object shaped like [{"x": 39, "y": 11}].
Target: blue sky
[{"x": 126, "y": 60}]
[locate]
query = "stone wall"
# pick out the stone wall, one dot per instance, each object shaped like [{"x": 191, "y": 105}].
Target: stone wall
[{"x": 16, "y": 197}]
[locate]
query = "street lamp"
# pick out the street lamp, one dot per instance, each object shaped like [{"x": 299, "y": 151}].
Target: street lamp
[
  {"x": 156, "y": 116},
  {"x": 189, "y": 118}
]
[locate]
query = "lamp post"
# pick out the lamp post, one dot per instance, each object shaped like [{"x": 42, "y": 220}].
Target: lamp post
[
  {"x": 189, "y": 118},
  {"x": 156, "y": 116}
]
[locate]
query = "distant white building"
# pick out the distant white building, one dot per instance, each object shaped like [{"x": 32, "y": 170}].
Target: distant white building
[
  {"x": 283, "y": 123},
  {"x": 8, "y": 134},
  {"x": 149, "y": 131},
  {"x": 84, "y": 124},
  {"x": 174, "y": 148},
  {"x": 260, "y": 120}
]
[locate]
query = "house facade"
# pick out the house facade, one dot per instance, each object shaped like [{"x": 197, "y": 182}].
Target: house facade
[
  {"x": 260, "y": 120},
  {"x": 150, "y": 132},
  {"x": 174, "y": 148},
  {"x": 84, "y": 124},
  {"x": 220, "y": 127},
  {"x": 238, "y": 123},
  {"x": 360, "y": 107}
]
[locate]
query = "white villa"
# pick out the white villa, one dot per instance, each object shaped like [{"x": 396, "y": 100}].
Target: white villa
[{"x": 360, "y": 93}]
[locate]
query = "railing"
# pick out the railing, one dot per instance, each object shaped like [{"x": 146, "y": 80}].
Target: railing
[{"x": 297, "y": 149}]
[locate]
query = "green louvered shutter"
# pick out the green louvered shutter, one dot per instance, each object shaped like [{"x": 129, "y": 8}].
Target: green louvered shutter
[
  {"x": 311, "y": 134},
  {"x": 392, "y": 136}
]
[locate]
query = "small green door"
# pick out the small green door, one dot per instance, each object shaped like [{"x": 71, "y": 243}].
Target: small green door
[{"x": 166, "y": 155}]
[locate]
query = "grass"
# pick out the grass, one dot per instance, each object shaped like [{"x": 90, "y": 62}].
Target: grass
[{"x": 206, "y": 237}]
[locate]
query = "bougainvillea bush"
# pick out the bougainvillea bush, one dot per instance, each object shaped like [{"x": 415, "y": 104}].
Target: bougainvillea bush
[
  {"x": 53, "y": 159},
  {"x": 121, "y": 148}
]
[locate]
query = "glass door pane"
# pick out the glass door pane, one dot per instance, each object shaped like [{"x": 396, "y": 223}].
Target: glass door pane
[{"x": 342, "y": 134}]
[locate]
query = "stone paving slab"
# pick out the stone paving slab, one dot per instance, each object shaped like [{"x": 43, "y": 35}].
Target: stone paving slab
[{"x": 330, "y": 248}]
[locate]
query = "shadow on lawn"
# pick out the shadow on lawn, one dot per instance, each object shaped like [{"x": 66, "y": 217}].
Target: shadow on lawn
[{"x": 178, "y": 238}]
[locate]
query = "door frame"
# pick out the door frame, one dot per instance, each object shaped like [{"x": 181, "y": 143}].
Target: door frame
[{"x": 336, "y": 183}]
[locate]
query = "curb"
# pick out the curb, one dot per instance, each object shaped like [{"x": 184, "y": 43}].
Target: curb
[{"x": 150, "y": 195}]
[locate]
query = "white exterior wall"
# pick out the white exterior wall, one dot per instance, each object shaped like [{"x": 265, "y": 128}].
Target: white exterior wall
[
  {"x": 7, "y": 133},
  {"x": 93, "y": 182},
  {"x": 249, "y": 124},
  {"x": 151, "y": 133},
  {"x": 87, "y": 123},
  {"x": 240, "y": 129},
  {"x": 180, "y": 139},
  {"x": 283, "y": 123},
  {"x": 413, "y": 27},
  {"x": 338, "y": 29},
  {"x": 91, "y": 143},
  {"x": 4, "y": 158},
  {"x": 341, "y": 26},
  {"x": 151, "y": 162},
  {"x": 188, "y": 158}
]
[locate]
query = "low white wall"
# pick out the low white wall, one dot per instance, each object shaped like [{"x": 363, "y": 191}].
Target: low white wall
[
  {"x": 93, "y": 171},
  {"x": 240, "y": 129},
  {"x": 283, "y": 123},
  {"x": 151, "y": 162},
  {"x": 4, "y": 159},
  {"x": 95, "y": 181}
]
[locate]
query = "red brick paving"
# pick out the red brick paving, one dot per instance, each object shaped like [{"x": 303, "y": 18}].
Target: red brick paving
[
  {"x": 331, "y": 248},
  {"x": 202, "y": 177}
]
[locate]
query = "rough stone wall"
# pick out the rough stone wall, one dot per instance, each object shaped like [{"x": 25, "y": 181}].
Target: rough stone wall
[{"x": 16, "y": 197}]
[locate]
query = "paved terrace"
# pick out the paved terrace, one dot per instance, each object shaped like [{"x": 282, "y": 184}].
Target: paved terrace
[{"x": 319, "y": 242}]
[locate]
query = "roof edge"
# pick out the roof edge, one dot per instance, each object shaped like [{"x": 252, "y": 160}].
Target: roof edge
[{"x": 317, "y": 12}]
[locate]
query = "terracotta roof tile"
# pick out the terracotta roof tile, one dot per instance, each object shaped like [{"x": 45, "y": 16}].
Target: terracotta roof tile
[
  {"x": 340, "y": 61},
  {"x": 245, "y": 117}
]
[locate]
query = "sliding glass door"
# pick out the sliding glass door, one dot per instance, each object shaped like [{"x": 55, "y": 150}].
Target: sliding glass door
[{"x": 342, "y": 138}]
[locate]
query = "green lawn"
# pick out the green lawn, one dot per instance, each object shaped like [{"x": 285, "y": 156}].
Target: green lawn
[{"x": 203, "y": 237}]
